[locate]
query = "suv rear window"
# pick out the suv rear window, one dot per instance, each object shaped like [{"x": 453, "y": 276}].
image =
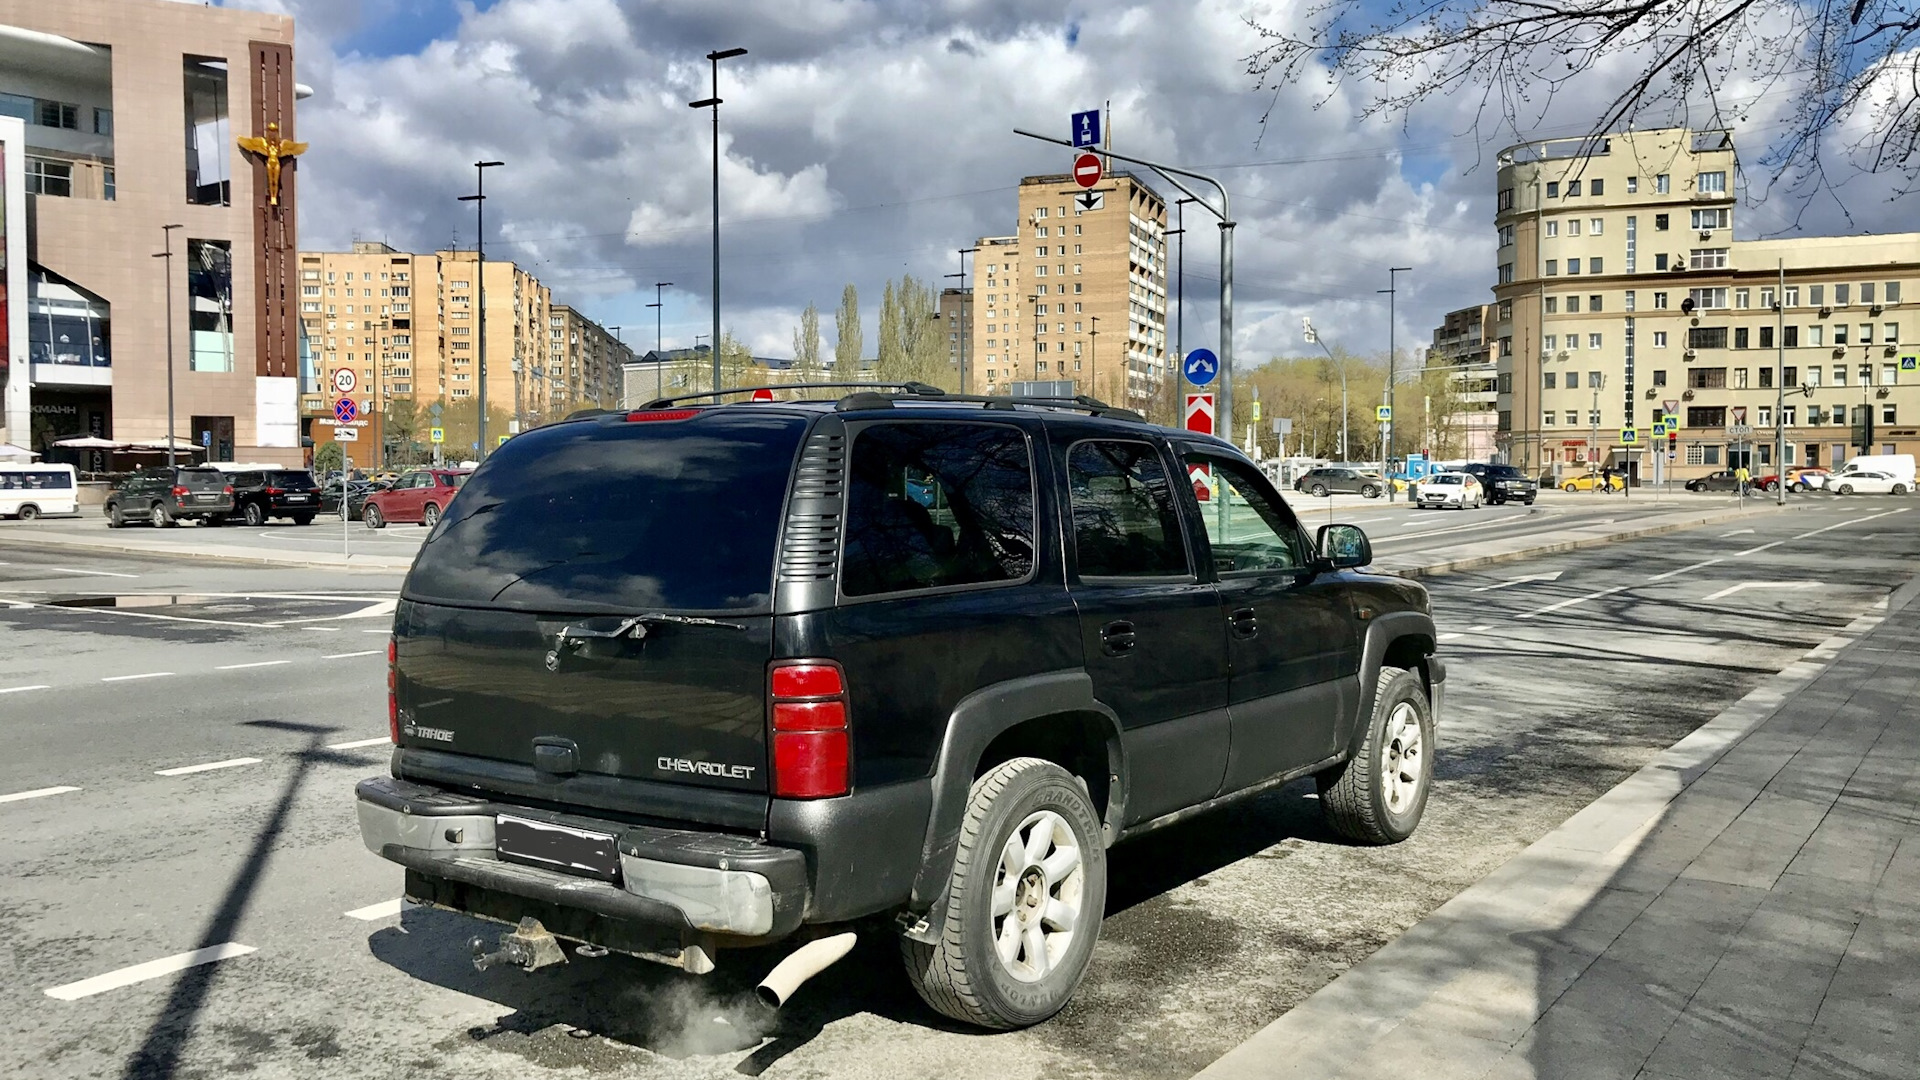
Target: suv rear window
[
  {"x": 1504, "y": 472},
  {"x": 202, "y": 480},
  {"x": 677, "y": 515},
  {"x": 932, "y": 505},
  {"x": 294, "y": 480}
]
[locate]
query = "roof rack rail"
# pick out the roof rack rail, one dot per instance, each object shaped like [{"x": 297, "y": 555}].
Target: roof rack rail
[
  {"x": 916, "y": 389},
  {"x": 1082, "y": 402}
]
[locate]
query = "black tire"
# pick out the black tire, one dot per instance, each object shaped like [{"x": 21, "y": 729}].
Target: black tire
[
  {"x": 1318, "y": 491},
  {"x": 159, "y": 518},
  {"x": 1846, "y": 489},
  {"x": 303, "y": 519},
  {"x": 430, "y": 516},
  {"x": 962, "y": 976},
  {"x": 1528, "y": 502},
  {"x": 255, "y": 514},
  {"x": 1772, "y": 486},
  {"x": 115, "y": 519},
  {"x": 1368, "y": 491},
  {"x": 1353, "y": 796},
  {"x": 28, "y": 511},
  {"x": 1898, "y": 489},
  {"x": 372, "y": 517}
]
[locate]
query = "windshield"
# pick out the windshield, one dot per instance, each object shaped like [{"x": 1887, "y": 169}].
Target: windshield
[
  {"x": 619, "y": 516},
  {"x": 1455, "y": 480}
]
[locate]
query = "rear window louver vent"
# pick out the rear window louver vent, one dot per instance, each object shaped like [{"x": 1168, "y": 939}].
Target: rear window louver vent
[{"x": 811, "y": 541}]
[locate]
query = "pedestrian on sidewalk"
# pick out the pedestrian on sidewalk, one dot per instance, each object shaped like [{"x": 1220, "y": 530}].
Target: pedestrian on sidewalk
[{"x": 1744, "y": 477}]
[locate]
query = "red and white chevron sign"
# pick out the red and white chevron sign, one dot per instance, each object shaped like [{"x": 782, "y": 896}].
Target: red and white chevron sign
[{"x": 1199, "y": 417}]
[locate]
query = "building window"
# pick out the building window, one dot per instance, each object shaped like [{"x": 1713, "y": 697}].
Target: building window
[
  {"x": 210, "y": 305},
  {"x": 1659, "y": 376},
  {"x": 1596, "y": 187},
  {"x": 209, "y": 145},
  {"x": 1506, "y": 273},
  {"x": 1573, "y": 266},
  {"x": 1553, "y": 189},
  {"x": 1553, "y": 305},
  {"x": 1662, "y": 185},
  {"x": 1659, "y": 339},
  {"x": 1740, "y": 298},
  {"x": 1707, "y": 337},
  {"x": 1893, "y": 292},
  {"x": 1889, "y": 414},
  {"x": 1593, "y": 302},
  {"x": 1739, "y": 337},
  {"x": 1550, "y": 380},
  {"x": 1593, "y": 224},
  {"x": 1593, "y": 265},
  {"x": 1630, "y": 296},
  {"x": 1740, "y": 379},
  {"x": 1660, "y": 222},
  {"x": 1708, "y": 259},
  {"x": 1573, "y": 226},
  {"x": 1546, "y": 418},
  {"x": 1573, "y": 305},
  {"x": 1711, "y": 183},
  {"x": 1553, "y": 228},
  {"x": 1632, "y": 229},
  {"x": 1593, "y": 341},
  {"x": 1633, "y": 185},
  {"x": 1506, "y": 236},
  {"x": 1550, "y": 342},
  {"x": 49, "y": 177},
  {"x": 1710, "y": 219},
  {"x": 1553, "y": 267},
  {"x": 1660, "y": 260},
  {"x": 1573, "y": 188},
  {"x": 1890, "y": 333},
  {"x": 1708, "y": 298},
  {"x": 1505, "y": 201},
  {"x": 1594, "y": 379},
  {"x": 1660, "y": 301}
]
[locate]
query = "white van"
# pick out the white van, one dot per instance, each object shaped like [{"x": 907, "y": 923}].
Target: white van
[
  {"x": 27, "y": 491},
  {"x": 1898, "y": 466}
]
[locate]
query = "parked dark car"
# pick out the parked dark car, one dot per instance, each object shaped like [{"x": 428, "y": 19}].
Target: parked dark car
[
  {"x": 357, "y": 492},
  {"x": 1720, "y": 480},
  {"x": 261, "y": 495},
  {"x": 164, "y": 497},
  {"x": 1339, "y": 480},
  {"x": 691, "y": 678},
  {"x": 1504, "y": 483}
]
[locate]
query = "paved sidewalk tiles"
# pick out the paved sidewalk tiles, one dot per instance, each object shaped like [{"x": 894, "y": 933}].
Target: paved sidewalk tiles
[{"x": 1745, "y": 906}]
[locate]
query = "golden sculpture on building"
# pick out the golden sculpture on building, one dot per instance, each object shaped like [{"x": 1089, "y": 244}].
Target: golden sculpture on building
[{"x": 273, "y": 148}]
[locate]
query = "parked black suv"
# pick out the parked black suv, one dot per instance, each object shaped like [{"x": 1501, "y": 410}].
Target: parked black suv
[
  {"x": 260, "y": 495},
  {"x": 1340, "y": 480},
  {"x": 688, "y": 678},
  {"x": 165, "y": 496},
  {"x": 1504, "y": 483}
]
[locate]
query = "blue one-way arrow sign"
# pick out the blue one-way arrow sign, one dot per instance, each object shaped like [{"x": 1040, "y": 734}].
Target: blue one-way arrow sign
[{"x": 1086, "y": 128}]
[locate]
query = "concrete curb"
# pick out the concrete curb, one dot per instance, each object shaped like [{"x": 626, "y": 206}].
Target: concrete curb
[
  {"x": 253, "y": 556},
  {"x": 1466, "y": 982},
  {"x": 1584, "y": 536}
]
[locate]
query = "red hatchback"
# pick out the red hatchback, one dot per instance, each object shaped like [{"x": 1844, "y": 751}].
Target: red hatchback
[{"x": 418, "y": 496}]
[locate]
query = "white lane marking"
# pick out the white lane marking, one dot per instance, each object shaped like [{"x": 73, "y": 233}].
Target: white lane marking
[
  {"x": 256, "y": 663},
  {"x": 37, "y": 793},
  {"x": 24, "y": 689},
  {"x": 1762, "y": 585},
  {"x": 152, "y": 969},
  {"x": 358, "y": 743},
  {"x": 345, "y": 655},
  {"x": 1855, "y": 521},
  {"x": 208, "y": 767},
  {"x": 143, "y": 675},
  {"x": 1496, "y": 523},
  {"x": 323, "y": 629},
  {"x": 383, "y": 630},
  {"x": 1575, "y": 600},
  {"x": 1736, "y": 532},
  {"x": 1479, "y": 629},
  {"x": 385, "y": 909},
  {"x": 1758, "y": 550},
  {"x": 1555, "y": 576},
  {"x": 379, "y": 609},
  {"x": 146, "y": 615},
  {"x": 1684, "y": 569},
  {"x": 94, "y": 573},
  {"x": 1450, "y": 637}
]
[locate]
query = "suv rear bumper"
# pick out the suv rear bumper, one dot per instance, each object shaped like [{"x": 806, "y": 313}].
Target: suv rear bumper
[{"x": 671, "y": 881}]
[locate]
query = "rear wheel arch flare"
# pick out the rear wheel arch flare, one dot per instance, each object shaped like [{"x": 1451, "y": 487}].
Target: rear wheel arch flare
[{"x": 1083, "y": 743}]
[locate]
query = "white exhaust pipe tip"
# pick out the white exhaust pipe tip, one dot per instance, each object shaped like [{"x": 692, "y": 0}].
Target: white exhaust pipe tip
[{"x": 802, "y": 964}]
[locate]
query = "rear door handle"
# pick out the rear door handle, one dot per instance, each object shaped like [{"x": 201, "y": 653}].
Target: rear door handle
[
  {"x": 1243, "y": 622},
  {"x": 1117, "y": 638}
]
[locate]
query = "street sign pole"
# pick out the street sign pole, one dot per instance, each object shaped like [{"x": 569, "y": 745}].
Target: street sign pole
[{"x": 346, "y": 519}]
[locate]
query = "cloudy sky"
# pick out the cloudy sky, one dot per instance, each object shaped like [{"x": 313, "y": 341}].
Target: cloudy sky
[{"x": 863, "y": 139}]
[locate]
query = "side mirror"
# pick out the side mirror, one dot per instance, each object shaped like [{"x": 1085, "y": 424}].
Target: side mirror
[{"x": 1345, "y": 546}]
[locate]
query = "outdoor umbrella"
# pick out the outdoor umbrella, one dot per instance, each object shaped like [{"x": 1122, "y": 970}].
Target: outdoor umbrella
[
  {"x": 10, "y": 452},
  {"x": 90, "y": 442}
]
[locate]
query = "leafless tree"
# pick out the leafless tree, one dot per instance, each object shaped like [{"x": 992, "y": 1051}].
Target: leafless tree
[{"x": 1848, "y": 70}]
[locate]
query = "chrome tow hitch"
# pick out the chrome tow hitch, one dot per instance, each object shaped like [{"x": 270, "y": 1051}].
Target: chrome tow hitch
[{"x": 528, "y": 947}]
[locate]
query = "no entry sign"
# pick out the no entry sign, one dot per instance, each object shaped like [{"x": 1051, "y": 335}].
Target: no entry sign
[{"x": 1086, "y": 170}]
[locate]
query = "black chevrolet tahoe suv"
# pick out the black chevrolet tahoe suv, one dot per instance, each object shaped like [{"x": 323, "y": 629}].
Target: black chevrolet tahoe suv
[
  {"x": 1504, "y": 483},
  {"x": 703, "y": 676},
  {"x": 164, "y": 497}
]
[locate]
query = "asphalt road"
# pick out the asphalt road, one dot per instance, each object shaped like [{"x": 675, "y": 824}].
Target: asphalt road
[{"x": 1568, "y": 673}]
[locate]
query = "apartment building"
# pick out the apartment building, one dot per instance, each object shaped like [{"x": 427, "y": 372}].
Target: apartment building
[
  {"x": 955, "y": 313},
  {"x": 407, "y": 325},
  {"x": 1464, "y": 342},
  {"x": 1075, "y": 293},
  {"x": 1620, "y": 289},
  {"x": 123, "y": 122}
]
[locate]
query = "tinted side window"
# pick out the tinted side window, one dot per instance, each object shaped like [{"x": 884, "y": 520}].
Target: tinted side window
[
  {"x": 930, "y": 505},
  {"x": 1124, "y": 523},
  {"x": 1254, "y": 532}
]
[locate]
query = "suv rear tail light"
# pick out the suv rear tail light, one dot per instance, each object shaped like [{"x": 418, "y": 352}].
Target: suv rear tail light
[
  {"x": 644, "y": 415},
  {"x": 393, "y": 703},
  {"x": 807, "y": 700},
  {"x": 180, "y": 492},
  {"x": 272, "y": 491},
  {"x": 229, "y": 489}
]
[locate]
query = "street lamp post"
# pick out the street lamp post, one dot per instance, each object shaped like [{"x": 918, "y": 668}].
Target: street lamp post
[
  {"x": 1180, "y": 288},
  {"x": 966, "y": 316},
  {"x": 166, "y": 231},
  {"x": 479, "y": 201},
  {"x": 1780, "y": 383},
  {"x": 713, "y": 103},
  {"x": 620, "y": 347},
  {"x": 659, "y": 301},
  {"x": 1313, "y": 338},
  {"x": 1392, "y": 288},
  {"x": 1093, "y": 337}
]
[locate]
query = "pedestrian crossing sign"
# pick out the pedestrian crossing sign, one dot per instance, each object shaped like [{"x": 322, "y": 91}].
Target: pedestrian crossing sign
[
  {"x": 1383, "y": 413},
  {"x": 1659, "y": 428},
  {"x": 1910, "y": 363},
  {"x": 1629, "y": 436},
  {"x": 439, "y": 435}
]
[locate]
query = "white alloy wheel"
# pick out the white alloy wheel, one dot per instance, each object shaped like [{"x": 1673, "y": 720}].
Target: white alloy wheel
[
  {"x": 1402, "y": 759},
  {"x": 1037, "y": 892}
]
